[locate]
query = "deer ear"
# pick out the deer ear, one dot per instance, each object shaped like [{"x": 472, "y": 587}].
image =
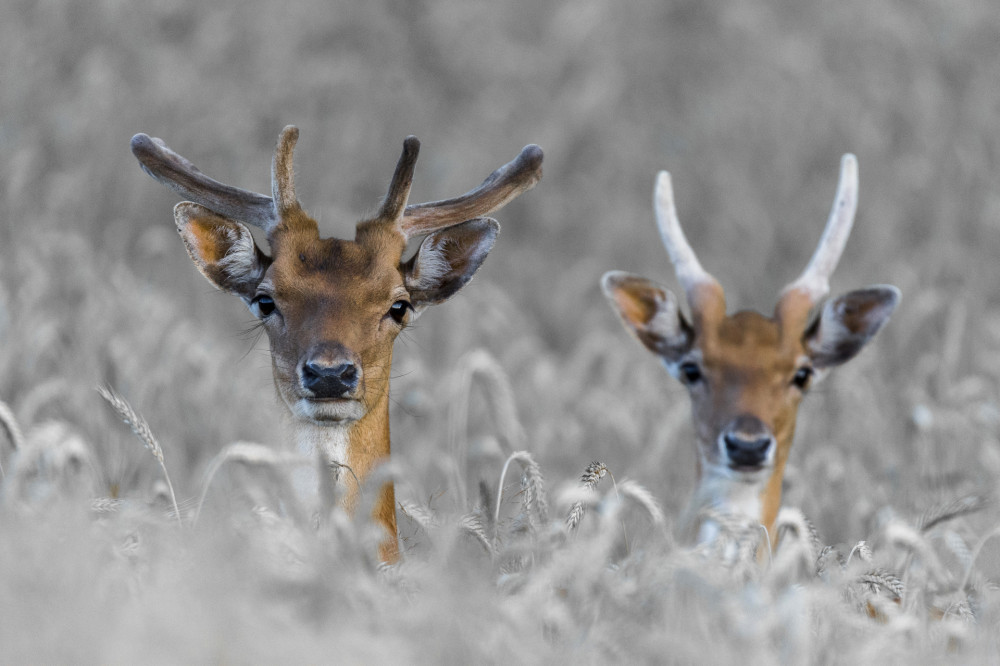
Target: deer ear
[
  {"x": 447, "y": 260},
  {"x": 223, "y": 249},
  {"x": 848, "y": 323},
  {"x": 650, "y": 313}
]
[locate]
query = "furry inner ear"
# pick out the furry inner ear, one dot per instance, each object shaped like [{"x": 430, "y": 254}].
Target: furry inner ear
[
  {"x": 447, "y": 260},
  {"x": 650, "y": 313},
  {"x": 848, "y": 323},
  {"x": 223, "y": 249}
]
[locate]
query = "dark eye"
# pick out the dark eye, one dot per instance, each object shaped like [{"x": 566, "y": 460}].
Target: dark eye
[
  {"x": 802, "y": 377},
  {"x": 262, "y": 305},
  {"x": 398, "y": 311},
  {"x": 690, "y": 372}
]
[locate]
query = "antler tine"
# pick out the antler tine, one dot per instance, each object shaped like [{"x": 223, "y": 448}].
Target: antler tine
[
  {"x": 399, "y": 189},
  {"x": 689, "y": 271},
  {"x": 183, "y": 177},
  {"x": 499, "y": 188},
  {"x": 815, "y": 279},
  {"x": 282, "y": 176}
]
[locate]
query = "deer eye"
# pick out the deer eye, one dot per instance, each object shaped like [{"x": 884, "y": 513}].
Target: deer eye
[
  {"x": 802, "y": 377},
  {"x": 690, "y": 372},
  {"x": 398, "y": 311},
  {"x": 262, "y": 305}
]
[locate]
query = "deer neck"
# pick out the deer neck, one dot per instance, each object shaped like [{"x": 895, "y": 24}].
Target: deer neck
[{"x": 351, "y": 452}]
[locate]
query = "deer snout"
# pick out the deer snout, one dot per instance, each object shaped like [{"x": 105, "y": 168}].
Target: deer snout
[
  {"x": 747, "y": 442},
  {"x": 330, "y": 373}
]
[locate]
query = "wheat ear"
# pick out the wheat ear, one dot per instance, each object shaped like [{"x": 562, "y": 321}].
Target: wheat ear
[{"x": 141, "y": 430}]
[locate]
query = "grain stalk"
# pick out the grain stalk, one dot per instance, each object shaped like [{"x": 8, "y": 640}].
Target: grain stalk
[{"x": 141, "y": 430}]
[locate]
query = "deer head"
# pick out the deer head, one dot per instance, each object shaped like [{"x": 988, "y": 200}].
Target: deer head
[
  {"x": 332, "y": 308},
  {"x": 746, "y": 373}
]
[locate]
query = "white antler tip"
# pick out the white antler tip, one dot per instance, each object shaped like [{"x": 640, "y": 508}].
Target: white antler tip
[
  {"x": 664, "y": 189},
  {"x": 849, "y": 170}
]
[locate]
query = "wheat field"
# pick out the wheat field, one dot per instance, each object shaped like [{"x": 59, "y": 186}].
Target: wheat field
[{"x": 184, "y": 544}]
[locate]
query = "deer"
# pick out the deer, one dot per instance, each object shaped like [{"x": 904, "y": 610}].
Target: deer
[
  {"x": 332, "y": 308},
  {"x": 746, "y": 373}
]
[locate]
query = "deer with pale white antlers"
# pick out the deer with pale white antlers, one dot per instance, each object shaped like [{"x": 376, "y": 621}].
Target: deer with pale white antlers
[
  {"x": 332, "y": 308},
  {"x": 747, "y": 373}
]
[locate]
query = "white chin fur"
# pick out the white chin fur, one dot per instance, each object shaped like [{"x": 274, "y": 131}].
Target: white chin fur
[
  {"x": 328, "y": 412},
  {"x": 730, "y": 493}
]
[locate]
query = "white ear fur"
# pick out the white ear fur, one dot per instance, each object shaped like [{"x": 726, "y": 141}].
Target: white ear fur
[
  {"x": 848, "y": 323},
  {"x": 447, "y": 260}
]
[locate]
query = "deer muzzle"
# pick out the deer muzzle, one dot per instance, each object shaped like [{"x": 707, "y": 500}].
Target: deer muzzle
[{"x": 747, "y": 443}]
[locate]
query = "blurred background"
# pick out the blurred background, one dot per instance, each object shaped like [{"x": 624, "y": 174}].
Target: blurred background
[{"x": 749, "y": 104}]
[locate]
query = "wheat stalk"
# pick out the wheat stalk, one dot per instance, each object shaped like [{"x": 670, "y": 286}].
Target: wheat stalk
[
  {"x": 863, "y": 550},
  {"x": 884, "y": 579},
  {"x": 480, "y": 363},
  {"x": 975, "y": 555},
  {"x": 944, "y": 512},
  {"x": 472, "y": 524},
  {"x": 13, "y": 431},
  {"x": 637, "y": 493},
  {"x": 141, "y": 430},
  {"x": 247, "y": 453},
  {"x": 592, "y": 475},
  {"x": 534, "y": 493}
]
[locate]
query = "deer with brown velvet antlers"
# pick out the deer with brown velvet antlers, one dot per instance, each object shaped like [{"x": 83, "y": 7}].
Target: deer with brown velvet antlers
[
  {"x": 746, "y": 373},
  {"x": 332, "y": 308}
]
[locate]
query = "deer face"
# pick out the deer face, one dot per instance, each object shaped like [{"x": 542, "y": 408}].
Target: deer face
[
  {"x": 332, "y": 308},
  {"x": 747, "y": 373}
]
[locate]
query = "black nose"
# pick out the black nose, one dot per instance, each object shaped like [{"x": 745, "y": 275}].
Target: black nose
[
  {"x": 747, "y": 442},
  {"x": 746, "y": 452},
  {"x": 329, "y": 381}
]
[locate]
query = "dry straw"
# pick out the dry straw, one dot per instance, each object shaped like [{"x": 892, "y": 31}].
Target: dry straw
[{"x": 141, "y": 430}]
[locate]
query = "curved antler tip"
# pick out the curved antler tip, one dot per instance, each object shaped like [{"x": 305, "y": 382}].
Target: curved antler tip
[
  {"x": 532, "y": 155},
  {"x": 664, "y": 191},
  {"x": 411, "y": 147},
  {"x": 533, "y": 152},
  {"x": 140, "y": 143},
  {"x": 849, "y": 166},
  {"x": 290, "y": 134}
]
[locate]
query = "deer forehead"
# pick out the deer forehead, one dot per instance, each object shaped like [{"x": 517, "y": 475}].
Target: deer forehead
[
  {"x": 748, "y": 348},
  {"x": 344, "y": 272}
]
